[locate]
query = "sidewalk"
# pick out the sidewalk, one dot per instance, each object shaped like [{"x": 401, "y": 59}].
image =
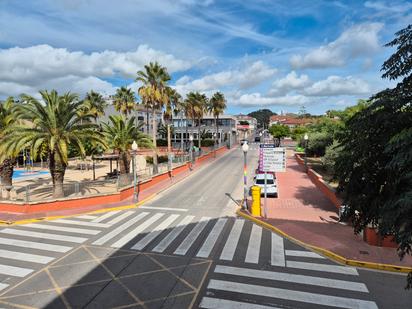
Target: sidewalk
[
  {"x": 144, "y": 195},
  {"x": 303, "y": 212}
]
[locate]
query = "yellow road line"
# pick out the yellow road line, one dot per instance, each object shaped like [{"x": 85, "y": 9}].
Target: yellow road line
[{"x": 329, "y": 254}]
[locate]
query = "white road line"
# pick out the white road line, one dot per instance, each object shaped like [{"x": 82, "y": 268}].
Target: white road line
[
  {"x": 153, "y": 234},
  {"x": 231, "y": 243},
  {"x": 14, "y": 271},
  {"x": 217, "y": 303},
  {"x": 304, "y": 297},
  {"x": 62, "y": 228},
  {"x": 253, "y": 248},
  {"x": 164, "y": 208},
  {"x": 173, "y": 234},
  {"x": 211, "y": 239},
  {"x": 192, "y": 236},
  {"x": 278, "y": 252},
  {"x": 120, "y": 218},
  {"x": 26, "y": 257},
  {"x": 302, "y": 253},
  {"x": 3, "y": 286},
  {"x": 132, "y": 234},
  {"x": 82, "y": 223},
  {"x": 86, "y": 217},
  {"x": 33, "y": 245},
  {"x": 119, "y": 229},
  {"x": 105, "y": 216},
  {"x": 323, "y": 267},
  {"x": 43, "y": 235},
  {"x": 279, "y": 276}
]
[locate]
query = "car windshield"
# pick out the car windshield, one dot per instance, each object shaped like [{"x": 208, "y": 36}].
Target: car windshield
[{"x": 262, "y": 181}]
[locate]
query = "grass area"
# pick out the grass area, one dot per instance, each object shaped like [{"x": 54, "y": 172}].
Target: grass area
[{"x": 316, "y": 164}]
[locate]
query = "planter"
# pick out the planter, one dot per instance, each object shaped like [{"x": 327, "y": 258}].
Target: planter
[{"x": 372, "y": 237}]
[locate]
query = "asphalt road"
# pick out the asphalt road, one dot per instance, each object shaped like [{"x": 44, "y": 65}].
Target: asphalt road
[{"x": 183, "y": 249}]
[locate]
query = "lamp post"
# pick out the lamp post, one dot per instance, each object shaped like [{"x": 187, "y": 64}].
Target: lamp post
[
  {"x": 191, "y": 151},
  {"x": 134, "y": 149},
  {"x": 214, "y": 144},
  {"x": 306, "y": 137},
  {"x": 245, "y": 148},
  {"x": 260, "y": 134}
]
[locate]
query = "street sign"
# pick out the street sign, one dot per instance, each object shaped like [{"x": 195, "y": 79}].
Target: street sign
[{"x": 271, "y": 158}]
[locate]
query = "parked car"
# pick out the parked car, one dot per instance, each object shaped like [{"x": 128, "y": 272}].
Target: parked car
[{"x": 271, "y": 185}]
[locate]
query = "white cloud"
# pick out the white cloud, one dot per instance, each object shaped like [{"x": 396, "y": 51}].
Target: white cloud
[
  {"x": 246, "y": 78},
  {"x": 256, "y": 99},
  {"x": 336, "y": 85},
  {"x": 292, "y": 81},
  {"x": 354, "y": 42}
]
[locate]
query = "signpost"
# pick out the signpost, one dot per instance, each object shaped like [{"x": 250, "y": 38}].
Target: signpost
[{"x": 271, "y": 159}]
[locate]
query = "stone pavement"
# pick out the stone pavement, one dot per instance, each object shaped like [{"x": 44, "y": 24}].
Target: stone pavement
[{"x": 303, "y": 212}]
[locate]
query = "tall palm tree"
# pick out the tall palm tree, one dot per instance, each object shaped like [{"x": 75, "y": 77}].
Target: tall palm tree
[
  {"x": 120, "y": 134},
  {"x": 197, "y": 103},
  {"x": 124, "y": 101},
  {"x": 56, "y": 123},
  {"x": 154, "y": 94},
  {"x": 7, "y": 119},
  {"x": 173, "y": 103},
  {"x": 216, "y": 106},
  {"x": 95, "y": 104}
]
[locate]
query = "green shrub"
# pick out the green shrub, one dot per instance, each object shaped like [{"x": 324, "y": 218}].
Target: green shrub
[
  {"x": 161, "y": 142},
  {"x": 160, "y": 159},
  {"x": 331, "y": 154},
  {"x": 207, "y": 142},
  {"x": 299, "y": 149},
  {"x": 318, "y": 142}
]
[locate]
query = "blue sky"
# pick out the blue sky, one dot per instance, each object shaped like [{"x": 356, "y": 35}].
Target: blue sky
[{"x": 271, "y": 54}]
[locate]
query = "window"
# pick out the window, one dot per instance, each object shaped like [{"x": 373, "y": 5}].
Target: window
[{"x": 262, "y": 181}]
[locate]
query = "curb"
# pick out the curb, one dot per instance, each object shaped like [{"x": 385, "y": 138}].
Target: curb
[{"x": 333, "y": 256}]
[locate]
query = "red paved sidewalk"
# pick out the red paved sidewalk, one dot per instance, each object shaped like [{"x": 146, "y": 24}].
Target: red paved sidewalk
[
  {"x": 144, "y": 194},
  {"x": 303, "y": 212}
]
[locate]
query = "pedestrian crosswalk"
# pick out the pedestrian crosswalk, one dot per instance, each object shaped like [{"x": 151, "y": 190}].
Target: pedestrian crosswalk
[{"x": 239, "y": 287}]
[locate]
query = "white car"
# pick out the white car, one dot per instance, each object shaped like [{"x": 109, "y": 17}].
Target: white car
[{"x": 271, "y": 185}]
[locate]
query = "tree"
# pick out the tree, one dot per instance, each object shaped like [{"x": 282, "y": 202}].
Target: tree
[
  {"x": 298, "y": 132},
  {"x": 154, "y": 94},
  {"x": 95, "y": 104},
  {"x": 279, "y": 131},
  {"x": 120, "y": 134},
  {"x": 173, "y": 102},
  {"x": 124, "y": 101},
  {"x": 55, "y": 123},
  {"x": 7, "y": 119},
  {"x": 262, "y": 116},
  {"x": 216, "y": 106},
  {"x": 374, "y": 168},
  {"x": 197, "y": 104}
]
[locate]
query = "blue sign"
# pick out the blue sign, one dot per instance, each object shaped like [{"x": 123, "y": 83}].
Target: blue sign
[{"x": 267, "y": 146}]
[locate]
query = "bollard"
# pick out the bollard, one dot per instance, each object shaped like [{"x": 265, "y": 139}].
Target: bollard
[{"x": 255, "y": 208}]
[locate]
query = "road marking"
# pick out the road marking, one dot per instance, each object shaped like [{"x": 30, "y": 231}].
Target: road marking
[
  {"x": 86, "y": 217},
  {"x": 106, "y": 216},
  {"x": 173, "y": 234},
  {"x": 34, "y": 245},
  {"x": 82, "y": 223},
  {"x": 26, "y": 257},
  {"x": 119, "y": 229},
  {"x": 191, "y": 238},
  {"x": 323, "y": 267},
  {"x": 231, "y": 243},
  {"x": 132, "y": 234},
  {"x": 304, "y": 297},
  {"x": 302, "y": 253},
  {"x": 216, "y": 303},
  {"x": 153, "y": 234},
  {"x": 211, "y": 239},
  {"x": 62, "y": 228},
  {"x": 120, "y": 218},
  {"x": 253, "y": 248},
  {"x": 278, "y": 252},
  {"x": 3, "y": 286},
  {"x": 14, "y": 271},
  {"x": 278, "y": 276},
  {"x": 163, "y": 208},
  {"x": 43, "y": 235}
]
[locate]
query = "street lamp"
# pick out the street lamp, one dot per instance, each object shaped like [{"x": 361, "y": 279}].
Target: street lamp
[
  {"x": 306, "y": 137},
  {"x": 134, "y": 149},
  {"x": 245, "y": 148},
  {"x": 191, "y": 151}
]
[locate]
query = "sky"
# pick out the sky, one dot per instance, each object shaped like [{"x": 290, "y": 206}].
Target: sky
[{"x": 280, "y": 55}]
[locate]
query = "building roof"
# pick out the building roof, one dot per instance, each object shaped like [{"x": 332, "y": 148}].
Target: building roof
[{"x": 288, "y": 120}]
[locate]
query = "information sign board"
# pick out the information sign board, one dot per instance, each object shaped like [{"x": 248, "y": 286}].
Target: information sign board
[{"x": 271, "y": 158}]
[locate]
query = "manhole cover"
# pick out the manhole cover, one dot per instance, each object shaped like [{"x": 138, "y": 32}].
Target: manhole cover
[{"x": 364, "y": 252}]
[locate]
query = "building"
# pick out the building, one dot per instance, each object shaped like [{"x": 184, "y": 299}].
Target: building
[
  {"x": 289, "y": 121},
  {"x": 246, "y": 126}
]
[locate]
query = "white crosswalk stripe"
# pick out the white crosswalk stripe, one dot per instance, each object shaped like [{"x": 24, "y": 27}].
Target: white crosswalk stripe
[
  {"x": 302, "y": 253},
  {"x": 192, "y": 236},
  {"x": 3, "y": 286},
  {"x": 322, "y": 267},
  {"x": 211, "y": 239},
  {"x": 86, "y": 217},
  {"x": 106, "y": 216},
  {"x": 120, "y": 218},
  {"x": 34, "y": 245},
  {"x": 277, "y": 252},
  {"x": 43, "y": 235},
  {"x": 232, "y": 241},
  {"x": 82, "y": 223},
  {"x": 26, "y": 257},
  {"x": 62, "y": 228},
  {"x": 253, "y": 249},
  {"x": 212, "y": 303},
  {"x": 14, "y": 271}
]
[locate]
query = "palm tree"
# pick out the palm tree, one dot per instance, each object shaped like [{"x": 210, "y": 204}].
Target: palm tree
[
  {"x": 56, "y": 123},
  {"x": 173, "y": 103},
  {"x": 197, "y": 103},
  {"x": 95, "y": 104},
  {"x": 216, "y": 106},
  {"x": 153, "y": 93},
  {"x": 124, "y": 100},
  {"x": 120, "y": 134},
  {"x": 7, "y": 119}
]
